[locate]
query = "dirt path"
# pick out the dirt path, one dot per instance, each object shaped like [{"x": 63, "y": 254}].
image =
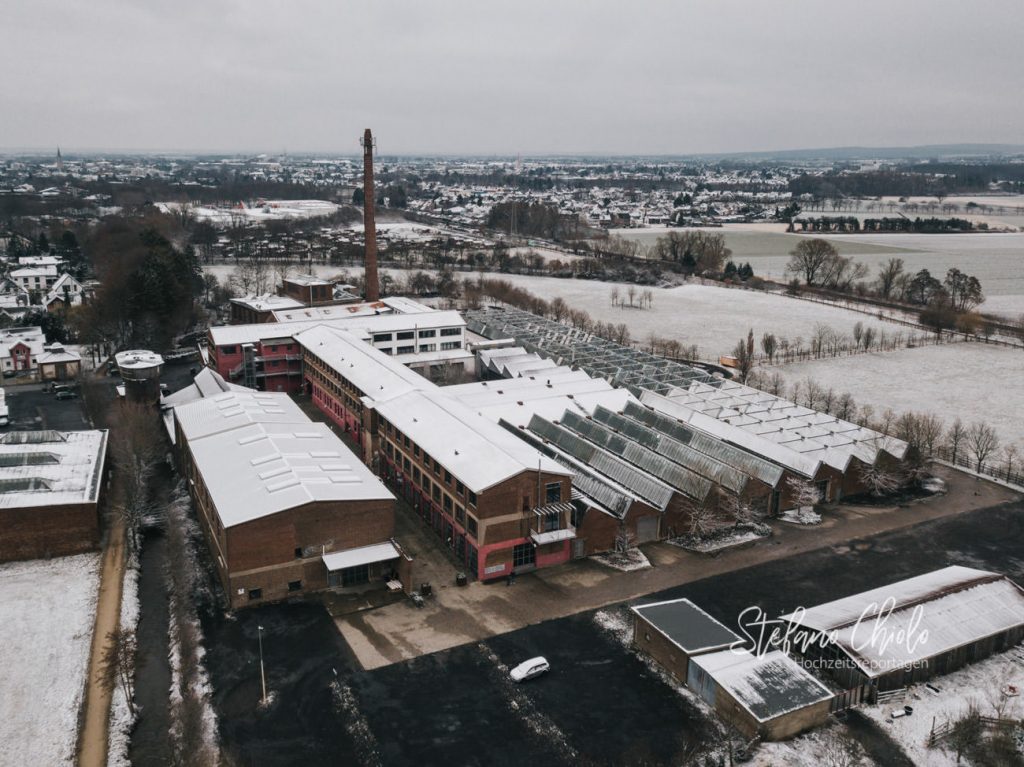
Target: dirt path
[{"x": 92, "y": 741}]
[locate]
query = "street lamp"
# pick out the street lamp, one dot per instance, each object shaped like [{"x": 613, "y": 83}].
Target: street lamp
[{"x": 263, "y": 676}]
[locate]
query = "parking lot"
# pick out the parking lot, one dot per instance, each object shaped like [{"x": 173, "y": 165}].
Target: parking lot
[
  {"x": 31, "y": 407},
  {"x": 600, "y": 704}
]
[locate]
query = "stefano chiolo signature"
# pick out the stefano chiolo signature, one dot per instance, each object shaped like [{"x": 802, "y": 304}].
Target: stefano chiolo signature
[{"x": 874, "y": 628}]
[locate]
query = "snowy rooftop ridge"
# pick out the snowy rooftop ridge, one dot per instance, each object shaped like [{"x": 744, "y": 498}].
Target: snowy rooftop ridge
[{"x": 943, "y": 610}]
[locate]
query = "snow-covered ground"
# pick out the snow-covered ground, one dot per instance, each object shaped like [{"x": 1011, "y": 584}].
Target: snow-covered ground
[
  {"x": 974, "y": 381},
  {"x": 714, "y": 318},
  {"x": 121, "y": 717},
  {"x": 47, "y": 611},
  {"x": 977, "y": 684},
  {"x": 266, "y": 210},
  {"x": 991, "y": 257}
]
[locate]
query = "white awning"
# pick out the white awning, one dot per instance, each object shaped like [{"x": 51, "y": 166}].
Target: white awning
[
  {"x": 554, "y": 536},
  {"x": 364, "y": 555}
]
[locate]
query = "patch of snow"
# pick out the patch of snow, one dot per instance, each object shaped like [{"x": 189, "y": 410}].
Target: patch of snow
[
  {"x": 828, "y": 745},
  {"x": 719, "y": 542},
  {"x": 634, "y": 559},
  {"x": 47, "y": 614},
  {"x": 805, "y": 515},
  {"x": 122, "y": 720},
  {"x": 934, "y": 485},
  {"x": 979, "y": 684}
]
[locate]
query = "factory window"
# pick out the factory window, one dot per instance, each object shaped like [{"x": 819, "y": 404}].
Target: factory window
[
  {"x": 416, "y": 450},
  {"x": 229, "y": 350},
  {"x": 428, "y": 347},
  {"x": 459, "y": 487},
  {"x": 471, "y": 525},
  {"x": 523, "y": 554},
  {"x": 553, "y": 492},
  {"x": 460, "y": 515},
  {"x": 428, "y": 333},
  {"x": 415, "y": 475},
  {"x": 448, "y": 503},
  {"x": 379, "y": 337},
  {"x": 447, "y": 477},
  {"x": 355, "y": 576},
  {"x": 387, "y": 351},
  {"x": 448, "y": 345},
  {"x": 451, "y": 331},
  {"x": 298, "y": 552},
  {"x": 255, "y": 594},
  {"x": 405, "y": 335},
  {"x": 405, "y": 350},
  {"x": 472, "y": 498},
  {"x": 295, "y": 585}
]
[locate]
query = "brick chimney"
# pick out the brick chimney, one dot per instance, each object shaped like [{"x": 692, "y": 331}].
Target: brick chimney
[{"x": 369, "y": 226}]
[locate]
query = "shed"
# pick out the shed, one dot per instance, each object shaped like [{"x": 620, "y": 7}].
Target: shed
[
  {"x": 672, "y": 632},
  {"x": 767, "y": 695}
]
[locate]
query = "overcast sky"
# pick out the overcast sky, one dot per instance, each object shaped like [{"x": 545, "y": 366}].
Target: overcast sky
[{"x": 477, "y": 76}]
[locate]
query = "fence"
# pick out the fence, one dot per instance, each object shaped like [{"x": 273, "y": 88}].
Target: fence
[
  {"x": 962, "y": 459},
  {"x": 942, "y": 731}
]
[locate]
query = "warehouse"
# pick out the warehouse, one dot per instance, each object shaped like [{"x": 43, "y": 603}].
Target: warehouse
[
  {"x": 285, "y": 506},
  {"x": 941, "y": 621},
  {"x": 762, "y": 695},
  {"x": 674, "y": 631},
  {"x": 51, "y": 484},
  {"x": 816, "y": 447}
]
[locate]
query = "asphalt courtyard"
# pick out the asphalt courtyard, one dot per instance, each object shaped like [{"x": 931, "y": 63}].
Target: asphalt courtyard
[{"x": 601, "y": 704}]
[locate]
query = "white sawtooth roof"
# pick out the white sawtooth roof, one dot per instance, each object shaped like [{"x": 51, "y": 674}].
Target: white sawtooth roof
[
  {"x": 800, "y": 463},
  {"x": 476, "y": 450},
  {"x": 260, "y": 469},
  {"x": 554, "y": 408}
]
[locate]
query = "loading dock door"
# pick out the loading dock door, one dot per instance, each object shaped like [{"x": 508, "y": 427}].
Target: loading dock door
[{"x": 647, "y": 529}]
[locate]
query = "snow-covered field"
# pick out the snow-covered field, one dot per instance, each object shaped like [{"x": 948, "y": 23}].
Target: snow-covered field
[
  {"x": 713, "y": 318},
  {"x": 975, "y": 381},
  {"x": 268, "y": 210},
  {"x": 978, "y": 684},
  {"x": 991, "y": 257},
  {"x": 47, "y": 610}
]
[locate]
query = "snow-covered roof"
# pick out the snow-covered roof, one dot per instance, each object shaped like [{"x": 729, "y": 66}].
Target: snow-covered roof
[
  {"x": 138, "y": 359},
  {"x": 767, "y": 685},
  {"x": 259, "y": 469},
  {"x": 34, "y": 271},
  {"x": 374, "y": 373},
  {"x": 31, "y": 336},
  {"x": 473, "y": 448},
  {"x": 232, "y": 409},
  {"x": 268, "y": 302},
  {"x": 49, "y": 468},
  {"x": 935, "y": 612},
  {"x": 207, "y": 383},
  {"x": 55, "y": 353},
  {"x": 364, "y": 555}
]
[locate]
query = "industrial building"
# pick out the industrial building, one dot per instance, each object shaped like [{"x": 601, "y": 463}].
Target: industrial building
[
  {"x": 766, "y": 695},
  {"x": 674, "y": 631},
  {"x": 815, "y": 447},
  {"x": 51, "y": 485},
  {"x": 285, "y": 506},
  {"x": 941, "y": 620},
  {"x": 265, "y": 355}
]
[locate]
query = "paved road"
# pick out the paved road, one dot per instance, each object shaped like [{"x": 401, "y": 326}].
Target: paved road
[{"x": 600, "y": 704}]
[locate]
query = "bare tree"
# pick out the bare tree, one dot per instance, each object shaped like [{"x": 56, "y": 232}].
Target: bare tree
[
  {"x": 744, "y": 353},
  {"x": 705, "y": 517},
  {"x": 809, "y": 259},
  {"x": 615, "y": 295},
  {"x": 1010, "y": 460},
  {"x": 804, "y": 493},
  {"x": 120, "y": 658},
  {"x": 888, "y": 276},
  {"x": 624, "y": 538},
  {"x": 137, "y": 449},
  {"x": 955, "y": 438},
  {"x": 982, "y": 441},
  {"x": 880, "y": 481}
]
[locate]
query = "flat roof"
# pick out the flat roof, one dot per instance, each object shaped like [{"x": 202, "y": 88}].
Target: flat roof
[
  {"x": 767, "y": 686},
  {"x": 268, "y": 302},
  {"x": 49, "y": 468},
  {"x": 687, "y": 626},
  {"x": 364, "y": 555}
]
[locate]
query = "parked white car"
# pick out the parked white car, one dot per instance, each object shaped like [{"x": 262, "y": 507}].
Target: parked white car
[{"x": 529, "y": 669}]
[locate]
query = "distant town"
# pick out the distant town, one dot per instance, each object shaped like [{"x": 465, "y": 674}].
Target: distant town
[{"x": 405, "y": 460}]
